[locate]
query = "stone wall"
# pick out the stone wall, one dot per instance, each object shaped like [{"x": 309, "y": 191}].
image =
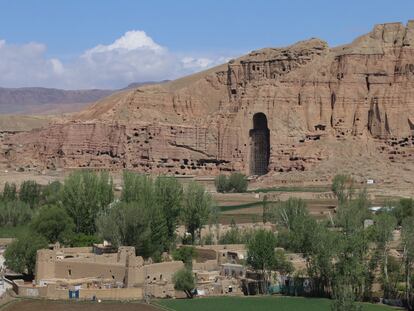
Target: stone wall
[{"x": 51, "y": 292}]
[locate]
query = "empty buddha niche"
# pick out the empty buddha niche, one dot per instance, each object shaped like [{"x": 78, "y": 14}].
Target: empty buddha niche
[{"x": 260, "y": 145}]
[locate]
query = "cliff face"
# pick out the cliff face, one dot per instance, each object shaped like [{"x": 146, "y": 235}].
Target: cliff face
[{"x": 285, "y": 109}]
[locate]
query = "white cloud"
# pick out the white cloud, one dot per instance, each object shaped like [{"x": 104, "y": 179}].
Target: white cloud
[
  {"x": 134, "y": 57},
  {"x": 131, "y": 40},
  {"x": 57, "y": 66},
  {"x": 191, "y": 62}
]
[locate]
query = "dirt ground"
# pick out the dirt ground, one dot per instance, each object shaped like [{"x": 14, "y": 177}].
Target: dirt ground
[{"x": 47, "y": 305}]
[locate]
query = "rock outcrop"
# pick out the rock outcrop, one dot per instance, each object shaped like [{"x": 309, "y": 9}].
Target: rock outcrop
[{"x": 285, "y": 109}]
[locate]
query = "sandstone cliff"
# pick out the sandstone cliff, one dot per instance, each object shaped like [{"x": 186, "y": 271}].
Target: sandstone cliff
[{"x": 306, "y": 110}]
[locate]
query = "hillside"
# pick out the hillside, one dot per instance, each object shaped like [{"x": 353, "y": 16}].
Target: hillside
[
  {"x": 295, "y": 114},
  {"x": 35, "y": 100},
  {"x": 38, "y": 100}
]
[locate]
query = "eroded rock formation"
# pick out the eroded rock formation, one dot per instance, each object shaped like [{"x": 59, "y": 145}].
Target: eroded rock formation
[{"x": 313, "y": 98}]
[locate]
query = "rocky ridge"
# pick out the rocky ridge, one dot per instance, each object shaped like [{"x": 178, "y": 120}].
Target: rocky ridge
[{"x": 315, "y": 100}]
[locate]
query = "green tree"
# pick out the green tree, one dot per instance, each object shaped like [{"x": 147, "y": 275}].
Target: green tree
[
  {"x": 9, "y": 192},
  {"x": 84, "y": 240},
  {"x": 285, "y": 213},
  {"x": 261, "y": 253},
  {"x": 169, "y": 196},
  {"x": 407, "y": 234},
  {"x": 186, "y": 255},
  {"x": 404, "y": 208},
  {"x": 30, "y": 193},
  {"x": 236, "y": 236},
  {"x": 184, "y": 281},
  {"x": 342, "y": 187},
  {"x": 137, "y": 188},
  {"x": 84, "y": 195},
  {"x": 197, "y": 207},
  {"x": 222, "y": 184},
  {"x": 51, "y": 193},
  {"x": 321, "y": 256},
  {"x": 344, "y": 298},
  {"x": 238, "y": 182},
  {"x": 147, "y": 215},
  {"x": 351, "y": 214},
  {"x": 266, "y": 210},
  {"x": 159, "y": 239},
  {"x": 133, "y": 224},
  {"x": 127, "y": 224},
  {"x": 352, "y": 267},
  {"x": 382, "y": 230},
  {"x": 54, "y": 224},
  {"x": 20, "y": 255},
  {"x": 14, "y": 213},
  {"x": 302, "y": 234},
  {"x": 232, "y": 236},
  {"x": 282, "y": 264}
]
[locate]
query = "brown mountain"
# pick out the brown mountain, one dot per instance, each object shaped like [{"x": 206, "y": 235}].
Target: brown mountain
[
  {"x": 300, "y": 113},
  {"x": 39, "y": 100},
  {"x": 34, "y": 100}
]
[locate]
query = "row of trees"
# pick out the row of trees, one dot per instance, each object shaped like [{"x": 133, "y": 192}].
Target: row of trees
[
  {"x": 149, "y": 212},
  {"x": 344, "y": 256},
  {"x": 83, "y": 210}
]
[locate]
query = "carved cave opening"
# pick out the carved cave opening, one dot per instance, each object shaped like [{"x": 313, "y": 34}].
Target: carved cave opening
[{"x": 260, "y": 145}]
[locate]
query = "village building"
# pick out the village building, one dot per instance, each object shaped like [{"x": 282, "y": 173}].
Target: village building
[{"x": 99, "y": 273}]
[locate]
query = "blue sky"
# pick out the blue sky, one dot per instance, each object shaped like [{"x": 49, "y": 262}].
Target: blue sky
[{"x": 52, "y": 38}]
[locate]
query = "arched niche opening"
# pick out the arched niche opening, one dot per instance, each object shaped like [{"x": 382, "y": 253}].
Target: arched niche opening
[{"x": 260, "y": 145}]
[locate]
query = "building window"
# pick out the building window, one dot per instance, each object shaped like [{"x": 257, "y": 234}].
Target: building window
[{"x": 69, "y": 272}]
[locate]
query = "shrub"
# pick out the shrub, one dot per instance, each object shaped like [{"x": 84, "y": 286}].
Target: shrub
[
  {"x": 236, "y": 236},
  {"x": 20, "y": 255},
  {"x": 208, "y": 239},
  {"x": 403, "y": 209},
  {"x": 184, "y": 280},
  {"x": 84, "y": 240},
  {"x": 236, "y": 182},
  {"x": 185, "y": 254},
  {"x": 222, "y": 184},
  {"x": 54, "y": 224}
]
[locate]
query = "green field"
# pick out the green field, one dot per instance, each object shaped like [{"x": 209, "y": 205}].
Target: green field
[
  {"x": 291, "y": 189},
  {"x": 256, "y": 304}
]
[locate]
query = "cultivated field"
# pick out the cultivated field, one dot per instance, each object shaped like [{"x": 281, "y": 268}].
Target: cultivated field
[{"x": 257, "y": 304}]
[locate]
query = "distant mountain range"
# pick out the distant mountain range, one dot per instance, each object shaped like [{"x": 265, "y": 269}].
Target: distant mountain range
[{"x": 39, "y": 100}]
